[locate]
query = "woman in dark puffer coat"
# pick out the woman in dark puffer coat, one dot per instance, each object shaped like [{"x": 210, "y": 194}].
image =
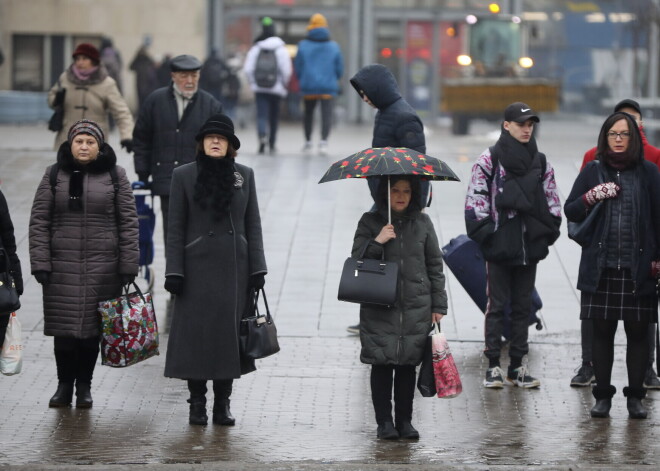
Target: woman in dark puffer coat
[
  {"x": 83, "y": 248},
  {"x": 393, "y": 338}
]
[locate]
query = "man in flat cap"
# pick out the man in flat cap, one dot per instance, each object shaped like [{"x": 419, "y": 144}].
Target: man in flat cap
[
  {"x": 512, "y": 210},
  {"x": 169, "y": 119}
]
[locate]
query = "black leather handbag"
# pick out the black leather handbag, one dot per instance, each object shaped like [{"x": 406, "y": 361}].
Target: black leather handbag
[
  {"x": 9, "y": 301},
  {"x": 258, "y": 334},
  {"x": 583, "y": 231},
  {"x": 369, "y": 281},
  {"x": 56, "y": 121}
]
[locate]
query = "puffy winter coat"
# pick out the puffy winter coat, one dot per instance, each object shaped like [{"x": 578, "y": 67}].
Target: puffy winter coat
[
  {"x": 161, "y": 142},
  {"x": 92, "y": 99},
  {"x": 215, "y": 259},
  {"x": 318, "y": 64},
  {"x": 396, "y": 335},
  {"x": 645, "y": 224},
  {"x": 284, "y": 66},
  {"x": 8, "y": 242},
  {"x": 85, "y": 250}
]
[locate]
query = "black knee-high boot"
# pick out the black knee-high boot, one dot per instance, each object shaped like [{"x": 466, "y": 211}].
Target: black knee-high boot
[
  {"x": 603, "y": 395},
  {"x": 197, "y": 402},
  {"x": 66, "y": 375},
  {"x": 88, "y": 352},
  {"x": 221, "y": 412}
]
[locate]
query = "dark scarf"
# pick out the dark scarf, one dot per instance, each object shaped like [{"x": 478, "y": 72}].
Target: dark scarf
[
  {"x": 522, "y": 189},
  {"x": 620, "y": 160},
  {"x": 215, "y": 186},
  {"x": 103, "y": 163}
]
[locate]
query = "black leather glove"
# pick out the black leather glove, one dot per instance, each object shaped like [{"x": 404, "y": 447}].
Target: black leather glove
[
  {"x": 59, "y": 97},
  {"x": 144, "y": 178},
  {"x": 42, "y": 277},
  {"x": 174, "y": 284},
  {"x": 127, "y": 144},
  {"x": 126, "y": 279},
  {"x": 257, "y": 281}
]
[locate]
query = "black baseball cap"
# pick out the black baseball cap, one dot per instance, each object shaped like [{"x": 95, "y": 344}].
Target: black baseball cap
[
  {"x": 519, "y": 112},
  {"x": 628, "y": 103}
]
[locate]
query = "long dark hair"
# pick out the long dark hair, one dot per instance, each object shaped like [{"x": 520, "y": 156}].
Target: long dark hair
[
  {"x": 635, "y": 145},
  {"x": 415, "y": 186}
]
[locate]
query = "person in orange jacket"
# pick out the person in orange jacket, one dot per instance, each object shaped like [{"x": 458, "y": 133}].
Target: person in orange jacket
[{"x": 585, "y": 374}]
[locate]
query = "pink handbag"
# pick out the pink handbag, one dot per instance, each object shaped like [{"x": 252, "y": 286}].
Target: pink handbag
[{"x": 447, "y": 380}]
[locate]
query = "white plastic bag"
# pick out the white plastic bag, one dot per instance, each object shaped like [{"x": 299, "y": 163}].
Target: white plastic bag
[{"x": 11, "y": 355}]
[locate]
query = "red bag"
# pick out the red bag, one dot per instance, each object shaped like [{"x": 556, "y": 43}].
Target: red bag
[{"x": 447, "y": 380}]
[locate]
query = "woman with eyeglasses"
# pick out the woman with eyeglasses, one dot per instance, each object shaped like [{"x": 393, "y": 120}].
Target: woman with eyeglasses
[{"x": 620, "y": 264}]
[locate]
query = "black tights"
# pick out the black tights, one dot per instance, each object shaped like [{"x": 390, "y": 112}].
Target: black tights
[
  {"x": 76, "y": 358},
  {"x": 382, "y": 377},
  {"x": 637, "y": 351}
]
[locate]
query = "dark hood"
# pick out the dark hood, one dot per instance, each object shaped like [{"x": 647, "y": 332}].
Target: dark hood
[{"x": 378, "y": 83}]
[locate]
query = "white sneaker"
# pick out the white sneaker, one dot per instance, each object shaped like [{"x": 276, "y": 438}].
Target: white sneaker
[
  {"x": 323, "y": 147},
  {"x": 307, "y": 147}
]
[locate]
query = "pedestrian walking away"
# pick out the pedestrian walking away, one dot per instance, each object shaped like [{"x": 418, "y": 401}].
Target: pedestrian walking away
[
  {"x": 585, "y": 373},
  {"x": 83, "y": 248},
  {"x": 512, "y": 211},
  {"x": 393, "y": 338},
  {"x": 396, "y": 123},
  {"x": 621, "y": 259},
  {"x": 146, "y": 73},
  {"x": 268, "y": 69},
  {"x": 164, "y": 135},
  {"x": 215, "y": 257},
  {"x": 319, "y": 65},
  {"x": 86, "y": 91},
  {"x": 8, "y": 246}
]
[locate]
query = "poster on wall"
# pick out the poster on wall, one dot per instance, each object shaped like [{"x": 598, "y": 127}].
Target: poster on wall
[{"x": 419, "y": 38}]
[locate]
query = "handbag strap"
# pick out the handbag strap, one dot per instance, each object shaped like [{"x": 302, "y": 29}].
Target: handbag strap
[
  {"x": 256, "y": 303},
  {"x": 364, "y": 249},
  {"x": 137, "y": 290}
]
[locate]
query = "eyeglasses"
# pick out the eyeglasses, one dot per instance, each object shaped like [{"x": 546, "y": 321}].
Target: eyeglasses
[{"x": 621, "y": 135}]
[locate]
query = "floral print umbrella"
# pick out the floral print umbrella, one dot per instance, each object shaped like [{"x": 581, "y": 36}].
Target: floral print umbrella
[{"x": 378, "y": 161}]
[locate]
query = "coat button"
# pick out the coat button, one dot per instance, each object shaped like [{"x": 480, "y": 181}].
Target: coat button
[
  {"x": 157, "y": 164},
  {"x": 211, "y": 233},
  {"x": 230, "y": 232},
  {"x": 176, "y": 162}
]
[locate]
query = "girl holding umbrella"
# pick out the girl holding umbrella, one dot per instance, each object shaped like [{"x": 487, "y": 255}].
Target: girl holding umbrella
[{"x": 393, "y": 338}]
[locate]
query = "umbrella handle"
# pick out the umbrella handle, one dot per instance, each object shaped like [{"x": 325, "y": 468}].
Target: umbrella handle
[{"x": 389, "y": 201}]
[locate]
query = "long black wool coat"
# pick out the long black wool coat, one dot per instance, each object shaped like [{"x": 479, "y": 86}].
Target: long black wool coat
[{"x": 216, "y": 259}]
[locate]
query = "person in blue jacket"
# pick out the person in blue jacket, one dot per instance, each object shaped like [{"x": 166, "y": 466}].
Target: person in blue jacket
[{"x": 319, "y": 65}]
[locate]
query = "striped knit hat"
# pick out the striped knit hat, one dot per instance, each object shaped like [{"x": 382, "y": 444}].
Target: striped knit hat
[{"x": 86, "y": 126}]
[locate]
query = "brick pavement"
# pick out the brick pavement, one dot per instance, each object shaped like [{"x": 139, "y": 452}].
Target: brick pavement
[{"x": 308, "y": 407}]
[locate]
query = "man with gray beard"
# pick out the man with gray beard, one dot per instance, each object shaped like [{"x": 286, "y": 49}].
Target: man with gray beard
[{"x": 169, "y": 119}]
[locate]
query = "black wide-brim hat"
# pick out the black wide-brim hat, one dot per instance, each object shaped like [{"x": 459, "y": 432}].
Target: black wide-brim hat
[{"x": 219, "y": 124}]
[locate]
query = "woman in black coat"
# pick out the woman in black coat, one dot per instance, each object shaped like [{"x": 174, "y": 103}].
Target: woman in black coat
[
  {"x": 393, "y": 338},
  {"x": 214, "y": 257},
  {"x": 619, "y": 263},
  {"x": 8, "y": 243}
]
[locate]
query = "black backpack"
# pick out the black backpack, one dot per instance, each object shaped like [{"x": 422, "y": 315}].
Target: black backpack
[{"x": 266, "y": 70}]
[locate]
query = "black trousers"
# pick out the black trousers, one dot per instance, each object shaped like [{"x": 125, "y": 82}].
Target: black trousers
[
  {"x": 587, "y": 332},
  {"x": 4, "y": 322},
  {"x": 326, "y": 117},
  {"x": 165, "y": 208},
  {"x": 76, "y": 358},
  {"x": 222, "y": 389},
  {"x": 636, "y": 351},
  {"x": 503, "y": 283},
  {"x": 382, "y": 379}
]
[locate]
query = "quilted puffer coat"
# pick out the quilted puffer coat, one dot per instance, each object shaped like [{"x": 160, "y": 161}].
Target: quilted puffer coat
[
  {"x": 84, "y": 250},
  {"x": 396, "y": 335}
]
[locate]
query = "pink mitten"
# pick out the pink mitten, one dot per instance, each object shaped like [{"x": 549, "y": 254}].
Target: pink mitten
[{"x": 601, "y": 192}]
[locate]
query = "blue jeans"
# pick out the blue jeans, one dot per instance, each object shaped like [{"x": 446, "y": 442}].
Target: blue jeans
[{"x": 268, "y": 116}]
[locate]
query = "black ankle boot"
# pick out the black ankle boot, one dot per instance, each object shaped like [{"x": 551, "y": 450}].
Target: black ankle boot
[
  {"x": 603, "y": 395},
  {"x": 84, "y": 395},
  {"x": 406, "y": 430},
  {"x": 63, "y": 396},
  {"x": 386, "y": 431},
  {"x": 636, "y": 409},
  {"x": 198, "y": 413},
  {"x": 222, "y": 413}
]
